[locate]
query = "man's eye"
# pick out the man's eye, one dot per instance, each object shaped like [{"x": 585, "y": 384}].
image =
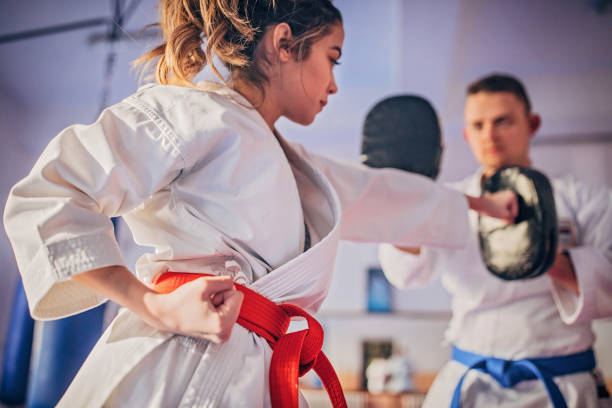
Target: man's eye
[{"x": 503, "y": 121}]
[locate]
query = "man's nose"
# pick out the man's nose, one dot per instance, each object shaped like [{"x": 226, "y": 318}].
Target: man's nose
[{"x": 489, "y": 133}]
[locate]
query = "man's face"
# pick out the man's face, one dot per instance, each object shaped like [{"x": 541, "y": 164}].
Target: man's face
[{"x": 498, "y": 129}]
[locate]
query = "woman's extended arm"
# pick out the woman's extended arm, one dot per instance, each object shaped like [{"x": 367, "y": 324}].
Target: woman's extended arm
[{"x": 502, "y": 205}]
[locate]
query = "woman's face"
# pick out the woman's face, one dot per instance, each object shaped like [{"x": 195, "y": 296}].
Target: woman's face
[{"x": 307, "y": 85}]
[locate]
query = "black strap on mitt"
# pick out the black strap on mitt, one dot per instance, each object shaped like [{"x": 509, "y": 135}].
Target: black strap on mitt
[
  {"x": 402, "y": 132},
  {"x": 527, "y": 248}
]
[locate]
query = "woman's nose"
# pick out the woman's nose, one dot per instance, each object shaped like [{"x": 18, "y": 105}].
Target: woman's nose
[{"x": 333, "y": 88}]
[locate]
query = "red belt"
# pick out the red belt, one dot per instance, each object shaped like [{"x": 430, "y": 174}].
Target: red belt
[{"x": 294, "y": 353}]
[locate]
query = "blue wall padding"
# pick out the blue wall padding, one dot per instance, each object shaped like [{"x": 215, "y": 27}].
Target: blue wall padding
[
  {"x": 65, "y": 344},
  {"x": 17, "y": 351}
]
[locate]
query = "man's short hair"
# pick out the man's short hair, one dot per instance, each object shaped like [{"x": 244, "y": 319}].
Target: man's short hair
[{"x": 500, "y": 83}]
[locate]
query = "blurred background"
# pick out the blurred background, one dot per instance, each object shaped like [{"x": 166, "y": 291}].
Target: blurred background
[{"x": 560, "y": 49}]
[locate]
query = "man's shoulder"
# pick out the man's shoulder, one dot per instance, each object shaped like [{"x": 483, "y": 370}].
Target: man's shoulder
[
  {"x": 579, "y": 193},
  {"x": 567, "y": 183}
]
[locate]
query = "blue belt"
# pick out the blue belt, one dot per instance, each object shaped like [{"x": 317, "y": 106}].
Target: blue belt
[{"x": 511, "y": 372}]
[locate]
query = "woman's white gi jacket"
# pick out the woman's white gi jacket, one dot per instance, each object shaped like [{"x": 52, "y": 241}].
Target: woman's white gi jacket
[{"x": 201, "y": 178}]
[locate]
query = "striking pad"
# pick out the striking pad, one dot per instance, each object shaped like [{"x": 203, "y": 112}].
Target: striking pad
[
  {"x": 527, "y": 248},
  {"x": 402, "y": 132}
]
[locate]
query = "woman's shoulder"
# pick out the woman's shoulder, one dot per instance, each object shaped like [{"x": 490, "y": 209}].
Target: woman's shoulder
[
  {"x": 189, "y": 109},
  {"x": 164, "y": 99},
  {"x": 196, "y": 118}
]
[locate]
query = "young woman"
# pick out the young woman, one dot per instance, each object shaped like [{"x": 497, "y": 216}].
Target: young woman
[{"x": 201, "y": 175}]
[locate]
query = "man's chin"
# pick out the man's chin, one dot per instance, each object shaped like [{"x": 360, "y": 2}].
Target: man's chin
[
  {"x": 500, "y": 163},
  {"x": 493, "y": 164}
]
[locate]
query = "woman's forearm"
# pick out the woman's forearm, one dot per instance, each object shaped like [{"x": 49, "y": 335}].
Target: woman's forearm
[
  {"x": 502, "y": 205},
  {"x": 206, "y": 308},
  {"x": 120, "y": 285},
  {"x": 478, "y": 204}
]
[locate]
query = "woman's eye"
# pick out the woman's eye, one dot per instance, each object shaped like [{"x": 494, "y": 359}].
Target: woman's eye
[{"x": 334, "y": 61}]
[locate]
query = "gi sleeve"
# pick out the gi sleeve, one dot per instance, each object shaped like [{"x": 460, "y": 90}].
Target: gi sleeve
[
  {"x": 394, "y": 206},
  {"x": 405, "y": 270},
  {"x": 592, "y": 257},
  {"x": 58, "y": 217}
]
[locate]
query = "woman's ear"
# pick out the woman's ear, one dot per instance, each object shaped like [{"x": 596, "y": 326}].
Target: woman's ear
[{"x": 281, "y": 37}]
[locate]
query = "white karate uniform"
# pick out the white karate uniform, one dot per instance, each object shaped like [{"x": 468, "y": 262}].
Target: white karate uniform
[
  {"x": 201, "y": 178},
  {"x": 522, "y": 318}
]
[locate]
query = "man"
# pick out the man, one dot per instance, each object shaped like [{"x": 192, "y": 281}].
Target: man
[{"x": 549, "y": 316}]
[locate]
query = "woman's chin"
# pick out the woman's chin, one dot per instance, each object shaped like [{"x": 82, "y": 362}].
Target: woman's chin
[{"x": 303, "y": 120}]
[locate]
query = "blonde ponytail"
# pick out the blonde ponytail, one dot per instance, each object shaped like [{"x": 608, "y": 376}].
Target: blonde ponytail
[{"x": 232, "y": 30}]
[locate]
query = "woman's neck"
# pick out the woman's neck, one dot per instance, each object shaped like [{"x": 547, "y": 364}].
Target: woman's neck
[{"x": 261, "y": 100}]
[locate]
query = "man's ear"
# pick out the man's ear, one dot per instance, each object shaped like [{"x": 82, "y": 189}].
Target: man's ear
[
  {"x": 465, "y": 135},
  {"x": 281, "y": 36},
  {"x": 534, "y": 123}
]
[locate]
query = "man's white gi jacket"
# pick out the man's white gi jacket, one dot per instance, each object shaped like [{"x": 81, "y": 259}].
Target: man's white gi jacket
[{"x": 519, "y": 319}]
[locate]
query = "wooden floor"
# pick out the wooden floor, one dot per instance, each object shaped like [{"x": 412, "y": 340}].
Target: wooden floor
[
  {"x": 317, "y": 398},
  {"x": 362, "y": 399}
]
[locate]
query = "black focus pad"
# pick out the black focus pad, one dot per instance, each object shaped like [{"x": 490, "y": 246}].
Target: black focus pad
[
  {"x": 527, "y": 248},
  {"x": 403, "y": 132}
]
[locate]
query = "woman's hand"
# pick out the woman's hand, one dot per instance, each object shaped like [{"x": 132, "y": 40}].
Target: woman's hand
[
  {"x": 206, "y": 308},
  {"x": 502, "y": 205}
]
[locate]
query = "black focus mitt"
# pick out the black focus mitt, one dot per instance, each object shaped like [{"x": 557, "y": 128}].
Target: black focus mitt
[
  {"x": 527, "y": 248},
  {"x": 403, "y": 132}
]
